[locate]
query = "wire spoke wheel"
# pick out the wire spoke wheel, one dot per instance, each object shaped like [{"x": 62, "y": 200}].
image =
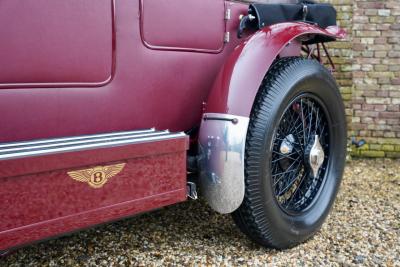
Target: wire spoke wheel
[
  {"x": 295, "y": 185},
  {"x": 295, "y": 154}
]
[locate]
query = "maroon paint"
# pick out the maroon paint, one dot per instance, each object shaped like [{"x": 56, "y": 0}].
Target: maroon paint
[
  {"x": 30, "y": 165},
  {"x": 144, "y": 92},
  {"x": 38, "y": 199},
  {"x": 42, "y": 45},
  {"x": 189, "y": 19},
  {"x": 61, "y": 86},
  {"x": 63, "y": 225},
  {"x": 239, "y": 79},
  {"x": 46, "y": 203},
  {"x": 292, "y": 49}
]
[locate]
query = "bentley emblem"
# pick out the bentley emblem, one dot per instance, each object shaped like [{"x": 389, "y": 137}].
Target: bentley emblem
[{"x": 96, "y": 177}]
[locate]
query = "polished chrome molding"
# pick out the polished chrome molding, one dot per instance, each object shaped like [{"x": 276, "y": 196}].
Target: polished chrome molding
[
  {"x": 86, "y": 142},
  {"x": 221, "y": 160},
  {"x": 83, "y": 137}
]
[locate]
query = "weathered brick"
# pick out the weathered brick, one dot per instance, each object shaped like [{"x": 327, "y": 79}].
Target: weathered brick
[
  {"x": 392, "y": 154},
  {"x": 390, "y": 115},
  {"x": 380, "y": 107},
  {"x": 365, "y": 120},
  {"x": 370, "y": 5},
  {"x": 380, "y": 53},
  {"x": 396, "y": 81},
  {"x": 381, "y": 74},
  {"x": 377, "y": 100},
  {"x": 372, "y": 154},
  {"x": 396, "y": 101},
  {"x": 382, "y": 94},
  {"x": 393, "y": 107},
  {"x": 371, "y": 12},
  {"x": 376, "y": 132},
  {"x": 383, "y": 27},
  {"x": 393, "y": 122},
  {"x": 384, "y": 80},
  {"x": 387, "y": 147},
  {"x": 368, "y": 65},
  {"x": 381, "y": 67},
  {"x": 363, "y": 113},
  {"x": 394, "y": 93},
  {"x": 375, "y": 146},
  {"x": 393, "y": 40},
  {"x": 368, "y": 34},
  {"x": 394, "y": 54},
  {"x": 384, "y": 12},
  {"x": 389, "y": 134},
  {"x": 378, "y": 19},
  {"x": 395, "y": 27},
  {"x": 380, "y": 40}
]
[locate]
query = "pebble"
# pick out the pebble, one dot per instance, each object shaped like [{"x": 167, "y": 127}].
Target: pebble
[{"x": 363, "y": 229}]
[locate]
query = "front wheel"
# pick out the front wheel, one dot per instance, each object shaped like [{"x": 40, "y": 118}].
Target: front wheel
[{"x": 295, "y": 154}]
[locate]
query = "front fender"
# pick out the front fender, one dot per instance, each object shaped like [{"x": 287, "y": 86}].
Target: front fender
[
  {"x": 224, "y": 125},
  {"x": 238, "y": 81}
]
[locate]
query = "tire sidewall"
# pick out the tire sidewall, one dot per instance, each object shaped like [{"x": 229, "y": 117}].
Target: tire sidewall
[{"x": 311, "y": 78}]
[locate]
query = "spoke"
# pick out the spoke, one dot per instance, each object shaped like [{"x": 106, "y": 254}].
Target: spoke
[
  {"x": 323, "y": 130},
  {"x": 292, "y": 178},
  {"x": 306, "y": 174},
  {"x": 293, "y": 184},
  {"x": 302, "y": 117},
  {"x": 292, "y": 173},
  {"x": 294, "y": 122},
  {"x": 316, "y": 122},
  {"x": 287, "y": 170},
  {"x": 286, "y": 157},
  {"x": 310, "y": 117},
  {"x": 275, "y": 168}
]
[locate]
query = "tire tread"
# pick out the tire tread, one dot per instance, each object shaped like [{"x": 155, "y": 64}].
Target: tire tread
[{"x": 250, "y": 216}]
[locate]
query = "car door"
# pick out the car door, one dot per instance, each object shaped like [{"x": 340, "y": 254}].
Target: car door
[
  {"x": 55, "y": 43},
  {"x": 191, "y": 25},
  {"x": 98, "y": 66}
]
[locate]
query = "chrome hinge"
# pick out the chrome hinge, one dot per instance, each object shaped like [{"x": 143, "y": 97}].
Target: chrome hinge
[
  {"x": 227, "y": 37},
  {"x": 191, "y": 190},
  {"x": 227, "y": 14}
]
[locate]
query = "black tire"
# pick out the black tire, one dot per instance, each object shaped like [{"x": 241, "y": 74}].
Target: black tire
[{"x": 265, "y": 216}]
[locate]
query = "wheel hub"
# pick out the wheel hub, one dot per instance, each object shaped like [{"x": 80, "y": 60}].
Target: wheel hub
[
  {"x": 299, "y": 161},
  {"x": 316, "y": 156},
  {"x": 287, "y": 144}
]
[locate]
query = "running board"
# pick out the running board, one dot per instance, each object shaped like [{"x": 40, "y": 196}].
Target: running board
[
  {"x": 69, "y": 144},
  {"x": 19, "y": 158},
  {"x": 52, "y": 186}
]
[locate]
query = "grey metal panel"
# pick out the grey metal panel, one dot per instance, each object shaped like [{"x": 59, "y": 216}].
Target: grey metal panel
[{"x": 221, "y": 148}]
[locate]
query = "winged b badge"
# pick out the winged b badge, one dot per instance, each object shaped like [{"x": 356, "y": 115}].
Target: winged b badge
[{"x": 96, "y": 177}]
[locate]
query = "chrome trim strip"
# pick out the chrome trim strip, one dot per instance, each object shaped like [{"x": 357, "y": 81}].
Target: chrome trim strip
[
  {"x": 111, "y": 142},
  {"x": 82, "y": 137},
  {"x": 222, "y": 142},
  {"x": 103, "y": 139}
]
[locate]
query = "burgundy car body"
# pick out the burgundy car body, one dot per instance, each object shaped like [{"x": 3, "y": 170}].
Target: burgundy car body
[{"x": 83, "y": 68}]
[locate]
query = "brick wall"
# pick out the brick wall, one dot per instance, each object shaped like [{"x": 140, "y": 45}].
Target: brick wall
[{"x": 368, "y": 65}]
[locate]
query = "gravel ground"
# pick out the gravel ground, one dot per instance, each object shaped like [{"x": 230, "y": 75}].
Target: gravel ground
[{"x": 363, "y": 229}]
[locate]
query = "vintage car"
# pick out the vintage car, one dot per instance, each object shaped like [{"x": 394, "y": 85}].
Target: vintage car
[{"x": 110, "y": 108}]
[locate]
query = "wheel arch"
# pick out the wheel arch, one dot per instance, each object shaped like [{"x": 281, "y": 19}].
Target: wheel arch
[
  {"x": 239, "y": 79},
  {"x": 225, "y": 121}
]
